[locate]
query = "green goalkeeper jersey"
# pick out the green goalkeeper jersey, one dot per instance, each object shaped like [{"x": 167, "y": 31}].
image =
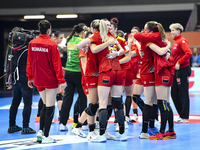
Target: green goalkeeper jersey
[{"x": 73, "y": 63}]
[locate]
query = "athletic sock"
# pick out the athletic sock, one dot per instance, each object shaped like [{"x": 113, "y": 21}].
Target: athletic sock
[{"x": 145, "y": 117}]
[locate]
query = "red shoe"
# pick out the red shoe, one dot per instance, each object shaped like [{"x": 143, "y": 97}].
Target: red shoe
[
  {"x": 158, "y": 136},
  {"x": 171, "y": 135},
  {"x": 37, "y": 119}
]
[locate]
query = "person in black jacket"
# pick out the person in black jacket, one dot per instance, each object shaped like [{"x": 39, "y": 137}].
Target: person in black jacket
[{"x": 17, "y": 81}]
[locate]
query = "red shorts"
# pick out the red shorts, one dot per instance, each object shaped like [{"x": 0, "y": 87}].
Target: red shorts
[
  {"x": 164, "y": 78},
  {"x": 91, "y": 82},
  {"x": 129, "y": 77},
  {"x": 41, "y": 88},
  {"x": 148, "y": 79},
  {"x": 110, "y": 78},
  {"x": 138, "y": 81}
]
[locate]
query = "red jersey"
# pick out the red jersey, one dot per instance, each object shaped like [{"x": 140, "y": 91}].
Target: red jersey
[
  {"x": 106, "y": 64},
  {"x": 92, "y": 67},
  {"x": 124, "y": 45},
  {"x": 44, "y": 63},
  {"x": 145, "y": 54},
  {"x": 132, "y": 65},
  {"x": 181, "y": 52}
]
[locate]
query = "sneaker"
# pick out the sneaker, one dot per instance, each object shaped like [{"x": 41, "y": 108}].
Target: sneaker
[
  {"x": 125, "y": 125},
  {"x": 92, "y": 134},
  {"x": 28, "y": 130},
  {"x": 181, "y": 120},
  {"x": 135, "y": 117},
  {"x": 37, "y": 119},
  {"x": 85, "y": 127},
  {"x": 171, "y": 135},
  {"x": 99, "y": 138},
  {"x": 152, "y": 131},
  {"x": 117, "y": 127},
  {"x": 97, "y": 125},
  {"x": 39, "y": 136},
  {"x": 178, "y": 119},
  {"x": 63, "y": 127},
  {"x": 143, "y": 135},
  {"x": 47, "y": 140},
  {"x": 109, "y": 136},
  {"x": 158, "y": 136},
  {"x": 120, "y": 137},
  {"x": 14, "y": 128},
  {"x": 129, "y": 120},
  {"x": 79, "y": 132},
  {"x": 74, "y": 125}
]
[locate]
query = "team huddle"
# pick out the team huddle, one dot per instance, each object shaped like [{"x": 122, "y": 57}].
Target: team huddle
[{"x": 107, "y": 66}]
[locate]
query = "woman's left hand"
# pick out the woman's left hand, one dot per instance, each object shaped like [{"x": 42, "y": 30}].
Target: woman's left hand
[{"x": 112, "y": 55}]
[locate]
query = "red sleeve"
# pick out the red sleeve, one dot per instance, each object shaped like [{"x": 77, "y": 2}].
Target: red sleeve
[
  {"x": 93, "y": 37},
  {"x": 145, "y": 37},
  {"x": 57, "y": 64},
  {"x": 188, "y": 53},
  {"x": 29, "y": 72},
  {"x": 81, "y": 54}
]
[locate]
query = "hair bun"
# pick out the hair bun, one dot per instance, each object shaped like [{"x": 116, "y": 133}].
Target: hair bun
[{"x": 115, "y": 20}]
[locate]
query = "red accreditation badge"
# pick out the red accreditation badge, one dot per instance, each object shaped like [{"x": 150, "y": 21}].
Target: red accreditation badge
[
  {"x": 165, "y": 79},
  {"x": 105, "y": 79}
]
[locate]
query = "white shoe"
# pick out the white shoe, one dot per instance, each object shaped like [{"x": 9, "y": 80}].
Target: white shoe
[
  {"x": 97, "y": 125},
  {"x": 92, "y": 134},
  {"x": 99, "y": 138},
  {"x": 109, "y": 136},
  {"x": 79, "y": 132},
  {"x": 125, "y": 125},
  {"x": 85, "y": 127},
  {"x": 178, "y": 119},
  {"x": 129, "y": 120},
  {"x": 144, "y": 135},
  {"x": 135, "y": 117},
  {"x": 39, "y": 136},
  {"x": 47, "y": 140},
  {"x": 182, "y": 121},
  {"x": 117, "y": 127},
  {"x": 63, "y": 127},
  {"x": 121, "y": 137}
]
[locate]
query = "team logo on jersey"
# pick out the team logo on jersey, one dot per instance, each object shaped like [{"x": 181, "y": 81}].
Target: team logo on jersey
[
  {"x": 165, "y": 79},
  {"x": 105, "y": 79}
]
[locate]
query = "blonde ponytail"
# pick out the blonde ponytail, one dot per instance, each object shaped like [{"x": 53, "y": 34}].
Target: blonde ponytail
[{"x": 103, "y": 30}]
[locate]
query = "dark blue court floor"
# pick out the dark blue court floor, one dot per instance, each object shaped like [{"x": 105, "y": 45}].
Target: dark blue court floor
[{"x": 188, "y": 135}]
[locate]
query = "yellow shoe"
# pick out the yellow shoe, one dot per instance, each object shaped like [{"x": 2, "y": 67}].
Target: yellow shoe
[
  {"x": 74, "y": 125},
  {"x": 37, "y": 119}
]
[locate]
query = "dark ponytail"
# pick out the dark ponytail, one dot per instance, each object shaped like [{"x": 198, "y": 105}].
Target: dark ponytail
[
  {"x": 76, "y": 29},
  {"x": 156, "y": 27}
]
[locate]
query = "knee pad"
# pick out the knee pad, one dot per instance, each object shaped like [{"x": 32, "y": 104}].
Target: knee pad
[
  {"x": 92, "y": 109},
  {"x": 117, "y": 103},
  {"x": 162, "y": 105},
  {"x": 59, "y": 97},
  {"x": 169, "y": 106},
  {"x": 50, "y": 111}
]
